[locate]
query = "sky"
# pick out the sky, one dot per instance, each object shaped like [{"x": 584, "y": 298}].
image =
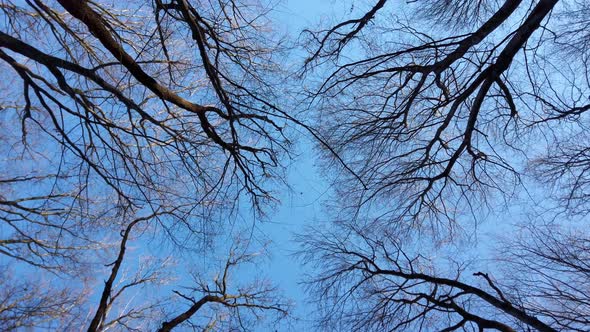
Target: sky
[{"x": 302, "y": 205}]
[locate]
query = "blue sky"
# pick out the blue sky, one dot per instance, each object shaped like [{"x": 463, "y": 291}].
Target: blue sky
[{"x": 302, "y": 205}]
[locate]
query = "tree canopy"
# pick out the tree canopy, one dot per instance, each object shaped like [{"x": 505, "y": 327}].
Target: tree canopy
[{"x": 453, "y": 135}]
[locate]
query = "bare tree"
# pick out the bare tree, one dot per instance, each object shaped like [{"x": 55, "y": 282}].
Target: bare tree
[
  {"x": 234, "y": 307},
  {"x": 244, "y": 305},
  {"x": 445, "y": 103},
  {"x": 547, "y": 270},
  {"x": 123, "y": 120},
  {"x": 369, "y": 281},
  {"x": 109, "y": 115},
  {"x": 447, "y": 112},
  {"x": 32, "y": 302}
]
